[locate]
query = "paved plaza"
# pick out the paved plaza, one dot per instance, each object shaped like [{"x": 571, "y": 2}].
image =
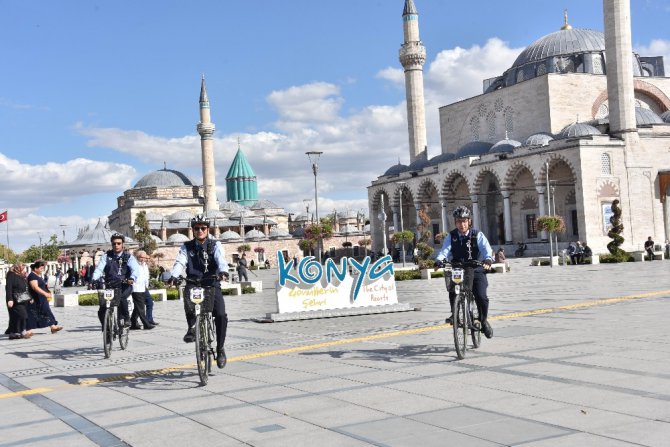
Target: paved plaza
[{"x": 580, "y": 357}]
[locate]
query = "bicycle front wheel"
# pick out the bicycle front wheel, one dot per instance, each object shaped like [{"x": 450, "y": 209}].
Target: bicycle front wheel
[
  {"x": 460, "y": 326},
  {"x": 123, "y": 335},
  {"x": 475, "y": 322},
  {"x": 107, "y": 331},
  {"x": 201, "y": 351}
]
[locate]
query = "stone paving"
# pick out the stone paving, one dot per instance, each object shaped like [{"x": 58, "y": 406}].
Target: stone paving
[{"x": 563, "y": 369}]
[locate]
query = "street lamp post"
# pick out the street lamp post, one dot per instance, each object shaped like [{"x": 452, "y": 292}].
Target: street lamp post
[
  {"x": 40, "y": 236},
  {"x": 314, "y": 159},
  {"x": 551, "y": 248},
  {"x": 402, "y": 228}
]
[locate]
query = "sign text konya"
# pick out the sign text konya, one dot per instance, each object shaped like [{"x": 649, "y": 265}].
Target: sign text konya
[{"x": 312, "y": 286}]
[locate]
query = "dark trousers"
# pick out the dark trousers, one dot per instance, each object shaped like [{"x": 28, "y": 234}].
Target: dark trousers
[
  {"x": 149, "y": 302},
  {"x": 219, "y": 314},
  {"x": 139, "y": 310},
  {"x": 576, "y": 259},
  {"x": 122, "y": 313},
  {"x": 18, "y": 318},
  {"x": 478, "y": 284}
]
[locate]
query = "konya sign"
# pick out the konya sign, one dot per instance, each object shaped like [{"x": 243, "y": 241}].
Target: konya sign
[{"x": 312, "y": 286}]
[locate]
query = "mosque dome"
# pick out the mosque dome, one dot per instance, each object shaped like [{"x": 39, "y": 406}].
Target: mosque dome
[
  {"x": 164, "y": 178},
  {"x": 576, "y": 130},
  {"x": 441, "y": 159},
  {"x": 539, "y": 140},
  {"x": 348, "y": 229},
  {"x": 228, "y": 235},
  {"x": 215, "y": 214},
  {"x": 156, "y": 239},
  {"x": 231, "y": 207},
  {"x": 561, "y": 43},
  {"x": 666, "y": 116},
  {"x": 418, "y": 164},
  {"x": 505, "y": 146},
  {"x": 279, "y": 232},
  {"x": 180, "y": 216},
  {"x": 645, "y": 117},
  {"x": 397, "y": 169},
  {"x": 474, "y": 149},
  {"x": 254, "y": 234},
  {"x": 177, "y": 237}
]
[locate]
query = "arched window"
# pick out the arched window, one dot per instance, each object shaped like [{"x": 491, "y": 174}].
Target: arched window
[{"x": 605, "y": 164}]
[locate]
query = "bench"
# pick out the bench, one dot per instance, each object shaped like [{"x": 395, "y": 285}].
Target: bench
[
  {"x": 161, "y": 292},
  {"x": 500, "y": 267},
  {"x": 66, "y": 300},
  {"x": 640, "y": 256},
  {"x": 540, "y": 259}
]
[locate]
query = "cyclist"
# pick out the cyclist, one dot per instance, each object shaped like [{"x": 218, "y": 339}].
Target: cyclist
[
  {"x": 120, "y": 270},
  {"x": 203, "y": 259},
  {"x": 463, "y": 244}
]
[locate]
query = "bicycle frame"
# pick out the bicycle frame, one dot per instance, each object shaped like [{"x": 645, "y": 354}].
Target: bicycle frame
[{"x": 204, "y": 335}]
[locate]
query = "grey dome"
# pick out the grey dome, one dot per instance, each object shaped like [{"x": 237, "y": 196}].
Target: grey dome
[
  {"x": 180, "y": 216},
  {"x": 231, "y": 207},
  {"x": 254, "y": 234},
  {"x": 505, "y": 146},
  {"x": 279, "y": 232},
  {"x": 349, "y": 229},
  {"x": 228, "y": 235},
  {"x": 396, "y": 169},
  {"x": 155, "y": 216},
  {"x": 646, "y": 116},
  {"x": 539, "y": 139},
  {"x": 418, "y": 164},
  {"x": 563, "y": 42},
  {"x": 164, "y": 178},
  {"x": 474, "y": 149},
  {"x": 299, "y": 232},
  {"x": 215, "y": 214},
  {"x": 156, "y": 239},
  {"x": 264, "y": 204},
  {"x": 665, "y": 116},
  {"x": 576, "y": 130},
  {"x": 177, "y": 237},
  {"x": 441, "y": 159}
]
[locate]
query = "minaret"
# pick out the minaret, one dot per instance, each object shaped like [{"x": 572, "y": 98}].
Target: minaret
[
  {"x": 619, "y": 54},
  {"x": 206, "y": 130},
  {"x": 412, "y": 58}
]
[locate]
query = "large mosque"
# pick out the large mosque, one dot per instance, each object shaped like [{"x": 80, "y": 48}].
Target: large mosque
[{"x": 579, "y": 120}]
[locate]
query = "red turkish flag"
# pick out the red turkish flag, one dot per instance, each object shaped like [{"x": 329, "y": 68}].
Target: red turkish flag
[{"x": 3, "y": 217}]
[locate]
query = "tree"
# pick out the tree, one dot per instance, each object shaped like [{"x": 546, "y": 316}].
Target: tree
[
  {"x": 424, "y": 249},
  {"x": 243, "y": 248},
  {"x": 615, "y": 234},
  {"x": 142, "y": 233},
  {"x": 400, "y": 237},
  {"x": 8, "y": 254},
  {"x": 47, "y": 252}
]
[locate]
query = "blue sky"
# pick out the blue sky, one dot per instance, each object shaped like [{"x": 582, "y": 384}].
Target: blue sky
[{"x": 93, "y": 95}]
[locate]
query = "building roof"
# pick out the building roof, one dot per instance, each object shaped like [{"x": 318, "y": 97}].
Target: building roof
[
  {"x": 240, "y": 167},
  {"x": 441, "y": 159},
  {"x": 539, "y": 139},
  {"x": 505, "y": 146},
  {"x": 397, "y": 169},
  {"x": 562, "y": 42},
  {"x": 409, "y": 8},
  {"x": 665, "y": 116},
  {"x": 474, "y": 149},
  {"x": 164, "y": 178},
  {"x": 645, "y": 117},
  {"x": 576, "y": 130}
]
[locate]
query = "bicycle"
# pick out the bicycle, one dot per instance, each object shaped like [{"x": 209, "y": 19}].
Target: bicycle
[
  {"x": 203, "y": 300},
  {"x": 466, "y": 313},
  {"x": 520, "y": 250},
  {"x": 111, "y": 327}
]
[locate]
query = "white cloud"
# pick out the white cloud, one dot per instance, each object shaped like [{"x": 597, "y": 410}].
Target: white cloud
[
  {"x": 316, "y": 102},
  {"x": 657, "y": 47}
]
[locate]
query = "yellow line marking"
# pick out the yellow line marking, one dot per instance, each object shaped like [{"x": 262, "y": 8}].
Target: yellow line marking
[{"x": 328, "y": 344}]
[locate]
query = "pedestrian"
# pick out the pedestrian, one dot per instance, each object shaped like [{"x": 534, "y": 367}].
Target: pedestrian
[
  {"x": 667, "y": 249},
  {"x": 242, "y": 268},
  {"x": 39, "y": 311},
  {"x": 18, "y": 298},
  {"x": 203, "y": 259},
  {"x": 119, "y": 269},
  {"x": 500, "y": 258},
  {"x": 649, "y": 248},
  {"x": 586, "y": 251},
  {"x": 463, "y": 244},
  {"x": 140, "y": 287}
]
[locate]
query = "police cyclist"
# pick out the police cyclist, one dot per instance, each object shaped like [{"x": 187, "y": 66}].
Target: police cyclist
[
  {"x": 203, "y": 260},
  {"x": 119, "y": 269},
  {"x": 463, "y": 244}
]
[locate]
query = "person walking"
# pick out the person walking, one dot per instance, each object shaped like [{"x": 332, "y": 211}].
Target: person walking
[
  {"x": 140, "y": 287},
  {"x": 39, "y": 311},
  {"x": 119, "y": 270},
  {"x": 203, "y": 259},
  {"x": 463, "y": 244},
  {"x": 242, "y": 271},
  {"x": 18, "y": 298}
]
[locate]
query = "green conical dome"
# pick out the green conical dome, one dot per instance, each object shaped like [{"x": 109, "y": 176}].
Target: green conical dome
[{"x": 241, "y": 186}]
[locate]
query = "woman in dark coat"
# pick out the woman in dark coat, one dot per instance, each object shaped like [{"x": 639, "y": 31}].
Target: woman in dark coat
[
  {"x": 40, "y": 314},
  {"x": 16, "y": 285}
]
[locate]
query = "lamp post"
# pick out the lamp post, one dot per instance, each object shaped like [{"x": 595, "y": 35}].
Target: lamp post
[
  {"x": 402, "y": 228},
  {"x": 314, "y": 159},
  {"x": 382, "y": 217},
  {"x": 551, "y": 248},
  {"x": 40, "y": 236}
]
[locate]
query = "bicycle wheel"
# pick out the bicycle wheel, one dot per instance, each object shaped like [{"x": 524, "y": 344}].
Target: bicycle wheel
[
  {"x": 201, "y": 351},
  {"x": 460, "y": 326},
  {"x": 123, "y": 335},
  {"x": 210, "y": 339},
  {"x": 107, "y": 331},
  {"x": 475, "y": 323}
]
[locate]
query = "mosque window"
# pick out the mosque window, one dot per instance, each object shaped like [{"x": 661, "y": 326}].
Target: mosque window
[
  {"x": 509, "y": 120},
  {"x": 531, "y": 226},
  {"x": 603, "y": 111},
  {"x": 597, "y": 64},
  {"x": 519, "y": 75},
  {"x": 474, "y": 128},
  {"x": 529, "y": 72},
  {"x": 498, "y": 105},
  {"x": 491, "y": 123},
  {"x": 542, "y": 69},
  {"x": 564, "y": 65},
  {"x": 605, "y": 164},
  {"x": 482, "y": 110}
]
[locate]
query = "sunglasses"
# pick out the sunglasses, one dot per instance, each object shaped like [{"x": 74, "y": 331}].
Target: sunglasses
[
  {"x": 117, "y": 243},
  {"x": 200, "y": 228}
]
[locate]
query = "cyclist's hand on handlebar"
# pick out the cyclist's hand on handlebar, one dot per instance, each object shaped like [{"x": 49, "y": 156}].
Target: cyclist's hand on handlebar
[
  {"x": 439, "y": 264},
  {"x": 487, "y": 264}
]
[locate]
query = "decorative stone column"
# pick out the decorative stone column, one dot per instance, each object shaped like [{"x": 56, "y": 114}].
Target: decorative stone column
[
  {"x": 508, "y": 217},
  {"x": 443, "y": 204},
  {"x": 540, "y": 200},
  {"x": 396, "y": 222},
  {"x": 417, "y": 208},
  {"x": 475, "y": 210}
]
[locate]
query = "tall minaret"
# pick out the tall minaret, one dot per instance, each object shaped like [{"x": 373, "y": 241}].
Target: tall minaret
[
  {"x": 619, "y": 54},
  {"x": 206, "y": 130},
  {"x": 412, "y": 58}
]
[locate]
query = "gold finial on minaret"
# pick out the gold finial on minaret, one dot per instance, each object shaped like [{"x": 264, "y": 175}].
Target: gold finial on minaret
[{"x": 566, "y": 25}]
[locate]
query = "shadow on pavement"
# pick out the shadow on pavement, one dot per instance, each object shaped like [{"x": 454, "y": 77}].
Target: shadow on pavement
[{"x": 402, "y": 354}]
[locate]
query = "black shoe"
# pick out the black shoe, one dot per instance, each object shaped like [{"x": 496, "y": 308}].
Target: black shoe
[
  {"x": 134, "y": 327},
  {"x": 487, "y": 329},
  {"x": 449, "y": 320},
  {"x": 154, "y": 323},
  {"x": 221, "y": 359},
  {"x": 151, "y": 326},
  {"x": 190, "y": 336},
  {"x": 125, "y": 324}
]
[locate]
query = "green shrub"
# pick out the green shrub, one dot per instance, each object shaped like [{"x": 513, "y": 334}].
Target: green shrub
[
  {"x": 156, "y": 284},
  {"x": 621, "y": 257},
  {"x": 88, "y": 299},
  {"x": 248, "y": 289},
  {"x": 404, "y": 275},
  {"x": 227, "y": 291},
  {"x": 437, "y": 274},
  {"x": 253, "y": 267},
  {"x": 172, "y": 294}
]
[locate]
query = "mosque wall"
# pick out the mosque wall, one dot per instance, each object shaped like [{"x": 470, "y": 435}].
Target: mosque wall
[{"x": 572, "y": 98}]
